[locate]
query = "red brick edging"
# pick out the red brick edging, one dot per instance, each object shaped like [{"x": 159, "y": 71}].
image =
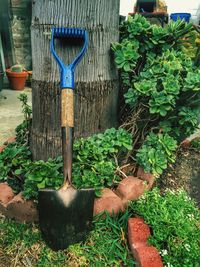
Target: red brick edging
[{"x": 144, "y": 254}]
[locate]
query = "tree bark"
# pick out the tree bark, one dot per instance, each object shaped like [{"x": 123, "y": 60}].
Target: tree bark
[{"x": 96, "y": 79}]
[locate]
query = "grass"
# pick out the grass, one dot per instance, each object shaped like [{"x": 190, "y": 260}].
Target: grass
[
  {"x": 173, "y": 218},
  {"x": 21, "y": 245},
  {"x": 175, "y": 222}
]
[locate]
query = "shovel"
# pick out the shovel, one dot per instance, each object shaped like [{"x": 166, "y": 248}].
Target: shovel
[{"x": 65, "y": 215}]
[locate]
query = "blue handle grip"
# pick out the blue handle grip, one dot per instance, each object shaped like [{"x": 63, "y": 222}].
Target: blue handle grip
[{"x": 67, "y": 71}]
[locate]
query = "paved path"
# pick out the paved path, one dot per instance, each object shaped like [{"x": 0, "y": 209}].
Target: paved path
[{"x": 10, "y": 112}]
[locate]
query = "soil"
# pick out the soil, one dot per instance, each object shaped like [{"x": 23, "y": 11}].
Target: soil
[{"x": 185, "y": 173}]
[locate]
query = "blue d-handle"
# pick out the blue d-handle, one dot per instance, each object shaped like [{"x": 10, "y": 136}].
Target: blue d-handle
[{"x": 67, "y": 71}]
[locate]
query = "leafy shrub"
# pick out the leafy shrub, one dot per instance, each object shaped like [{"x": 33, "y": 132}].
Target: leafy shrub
[
  {"x": 95, "y": 160},
  {"x": 156, "y": 152},
  {"x": 174, "y": 221},
  {"x": 161, "y": 85}
]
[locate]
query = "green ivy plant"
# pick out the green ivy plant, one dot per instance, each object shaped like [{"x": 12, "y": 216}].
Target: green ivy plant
[{"x": 161, "y": 87}]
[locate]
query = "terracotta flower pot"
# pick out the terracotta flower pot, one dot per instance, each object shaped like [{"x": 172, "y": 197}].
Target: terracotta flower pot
[{"x": 17, "y": 79}]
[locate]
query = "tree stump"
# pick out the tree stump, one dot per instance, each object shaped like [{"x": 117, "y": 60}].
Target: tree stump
[{"x": 96, "y": 79}]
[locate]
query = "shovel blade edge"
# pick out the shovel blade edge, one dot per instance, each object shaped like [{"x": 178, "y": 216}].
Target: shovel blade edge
[{"x": 65, "y": 218}]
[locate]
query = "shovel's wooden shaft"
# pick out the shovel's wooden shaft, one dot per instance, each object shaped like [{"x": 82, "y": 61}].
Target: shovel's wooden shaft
[{"x": 67, "y": 124}]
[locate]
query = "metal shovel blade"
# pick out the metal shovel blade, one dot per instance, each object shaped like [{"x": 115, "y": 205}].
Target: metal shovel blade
[{"x": 65, "y": 216}]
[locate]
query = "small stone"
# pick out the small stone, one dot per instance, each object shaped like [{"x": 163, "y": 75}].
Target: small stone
[
  {"x": 148, "y": 177},
  {"x": 109, "y": 202},
  {"x": 130, "y": 188},
  {"x": 6, "y": 193},
  {"x": 22, "y": 210},
  {"x": 138, "y": 232}
]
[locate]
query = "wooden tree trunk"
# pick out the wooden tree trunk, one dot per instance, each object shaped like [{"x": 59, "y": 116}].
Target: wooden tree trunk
[{"x": 96, "y": 80}]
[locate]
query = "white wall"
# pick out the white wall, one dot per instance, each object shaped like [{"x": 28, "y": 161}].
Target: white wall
[
  {"x": 126, "y": 6},
  {"x": 174, "y": 6}
]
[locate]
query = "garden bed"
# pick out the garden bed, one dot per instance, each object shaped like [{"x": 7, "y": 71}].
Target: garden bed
[
  {"x": 185, "y": 173},
  {"x": 161, "y": 86}
]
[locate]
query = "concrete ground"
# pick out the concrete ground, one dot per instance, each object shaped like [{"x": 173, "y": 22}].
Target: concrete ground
[{"x": 10, "y": 112}]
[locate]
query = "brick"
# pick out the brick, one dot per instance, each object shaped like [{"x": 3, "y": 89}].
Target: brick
[
  {"x": 148, "y": 177},
  {"x": 109, "y": 202},
  {"x": 6, "y": 193},
  {"x": 138, "y": 234},
  {"x": 147, "y": 256},
  {"x": 138, "y": 231},
  {"x": 130, "y": 188},
  {"x": 10, "y": 140},
  {"x": 22, "y": 210}
]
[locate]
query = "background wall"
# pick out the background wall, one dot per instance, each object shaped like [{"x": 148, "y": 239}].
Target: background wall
[{"x": 21, "y": 21}]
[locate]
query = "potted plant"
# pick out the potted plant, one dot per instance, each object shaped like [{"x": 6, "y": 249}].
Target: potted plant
[{"x": 17, "y": 77}]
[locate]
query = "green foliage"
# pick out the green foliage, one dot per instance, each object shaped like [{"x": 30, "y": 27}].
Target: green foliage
[
  {"x": 40, "y": 175},
  {"x": 156, "y": 152},
  {"x": 13, "y": 159},
  {"x": 174, "y": 221},
  {"x": 95, "y": 160},
  {"x": 126, "y": 55},
  {"x": 161, "y": 85},
  {"x": 192, "y": 81},
  {"x": 23, "y": 129},
  {"x": 105, "y": 246},
  {"x": 195, "y": 143}
]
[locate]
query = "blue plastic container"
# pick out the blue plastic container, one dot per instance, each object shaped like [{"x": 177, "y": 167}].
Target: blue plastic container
[{"x": 185, "y": 16}]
